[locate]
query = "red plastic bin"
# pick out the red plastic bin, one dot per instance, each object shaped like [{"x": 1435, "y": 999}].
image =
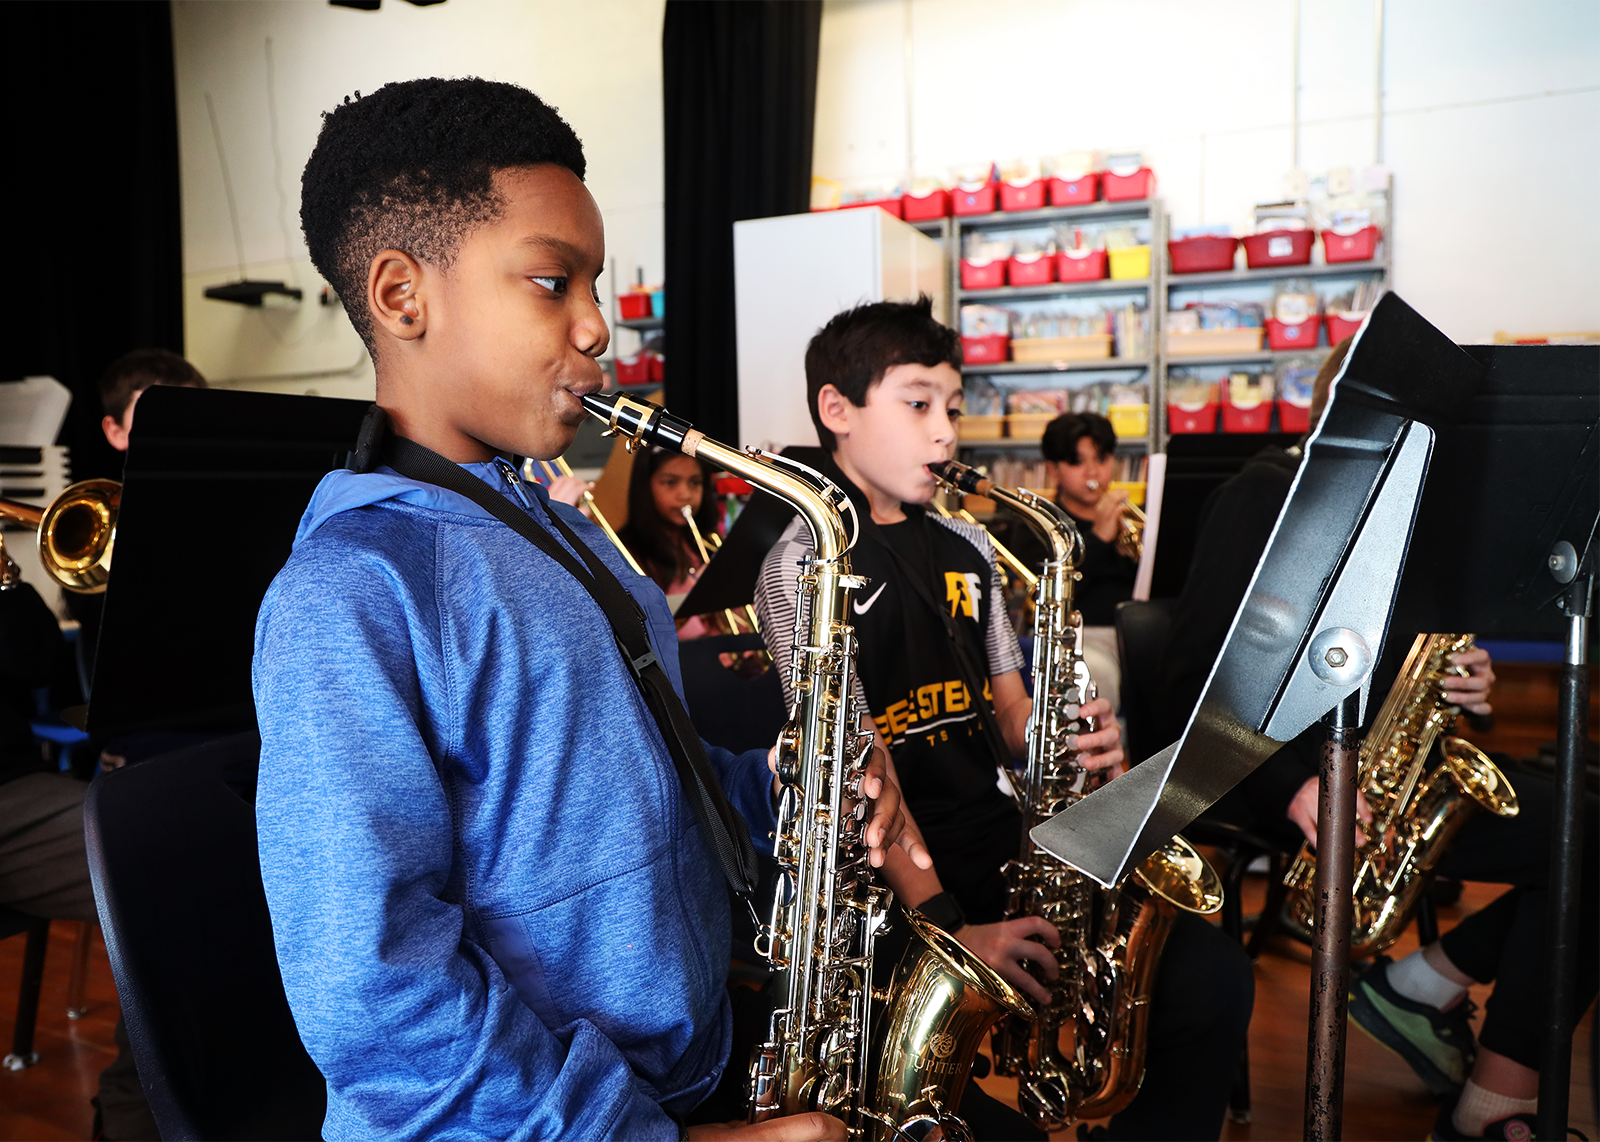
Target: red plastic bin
[
  {"x": 980, "y": 201},
  {"x": 1027, "y": 195},
  {"x": 925, "y": 207},
  {"x": 1293, "y": 417},
  {"x": 1253, "y": 418},
  {"x": 1080, "y": 265},
  {"x": 1030, "y": 269},
  {"x": 634, "y": 370},
  {"x": 987, "y": 274},
  {"x": 658, "y": 368},
  {"x": 989, "y": 349},
  {"x": 1192, "y": 418},
  {"x": 1278, "y": 248},
  {"x": 1074, "y": 192},
  {"x": 1128, "y": 187},
  {"x": 1357, "y": 247},
  {"x": 1282, "y": 335},
  {"x": 892, "y": 205},
  {"x": 1339, "y": 328},
  {"x": 633, "y": 305},
  {"x": 1202, "y": 254}
]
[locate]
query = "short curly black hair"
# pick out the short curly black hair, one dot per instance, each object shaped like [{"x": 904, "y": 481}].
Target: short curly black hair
[
  {"x": 857, "y": 347},
  {"x": 411, "y": 167}
]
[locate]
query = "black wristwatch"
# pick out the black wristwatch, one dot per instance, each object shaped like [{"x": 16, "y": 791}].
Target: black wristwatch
[{"x": 943, "y": 911}]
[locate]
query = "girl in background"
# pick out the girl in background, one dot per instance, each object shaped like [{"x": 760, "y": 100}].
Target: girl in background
[{"x": 656, "y": 533}]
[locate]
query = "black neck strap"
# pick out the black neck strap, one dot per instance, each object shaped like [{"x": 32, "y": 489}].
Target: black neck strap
[{"x": 724, "y": 829}]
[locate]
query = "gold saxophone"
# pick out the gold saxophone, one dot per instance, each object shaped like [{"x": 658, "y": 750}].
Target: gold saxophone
[
  {"x": 1418, "y": 804},
  {"x": 897, "y": 1072},
  {"x": 1111, "y": 939}
]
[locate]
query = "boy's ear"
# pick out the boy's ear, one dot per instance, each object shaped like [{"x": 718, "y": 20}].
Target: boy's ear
[
  {"x": 833, "y": 409},
  {"x": 116, "y": 435},
  {"x": 396, "y": 295}
]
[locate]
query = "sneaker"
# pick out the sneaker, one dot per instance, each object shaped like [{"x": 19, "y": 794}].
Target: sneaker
[
  {"x": 1438, "y": 1045},
  {"x": 1517, "y": 1128}
]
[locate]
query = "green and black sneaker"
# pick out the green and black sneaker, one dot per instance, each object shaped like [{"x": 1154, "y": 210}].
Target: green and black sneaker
[{"x": 1438, "y": 1045}]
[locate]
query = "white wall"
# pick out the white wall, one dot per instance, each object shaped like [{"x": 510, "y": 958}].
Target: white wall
[
  {"x": 598, "y": 61},
  {"x": 1491, "y": 120}
]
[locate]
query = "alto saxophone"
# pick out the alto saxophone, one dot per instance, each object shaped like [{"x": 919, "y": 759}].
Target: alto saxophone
[
  {"x": 1111, "y": 939},
  {"x": 890, "y": 1063},
  {"x": 1418, "y": 805}
]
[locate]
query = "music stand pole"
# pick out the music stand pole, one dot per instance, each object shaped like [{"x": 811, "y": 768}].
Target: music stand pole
[
  {"x": 1330, "y": 950},
  {"x": 1566, "y": 842}
]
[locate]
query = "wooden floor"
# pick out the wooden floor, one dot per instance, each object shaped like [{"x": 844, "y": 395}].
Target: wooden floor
[{"x": 1383, "y": 1100}]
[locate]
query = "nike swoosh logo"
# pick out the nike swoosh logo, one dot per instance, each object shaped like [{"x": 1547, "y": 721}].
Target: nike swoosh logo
[{"x": 861, "y": 608}]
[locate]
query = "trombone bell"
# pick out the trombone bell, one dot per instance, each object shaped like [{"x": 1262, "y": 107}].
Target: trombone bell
[{"x": 75, "y": 533}]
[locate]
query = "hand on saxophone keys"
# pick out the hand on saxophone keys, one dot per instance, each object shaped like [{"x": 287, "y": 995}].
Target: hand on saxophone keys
[
  {"x": 1010, "y": 945},
  {"x": 887, "y": 825},
  {"x": 1303, "y": 811},
  {"x": 1103, "y": 748},
  {"x": 1471, "y": 692}
]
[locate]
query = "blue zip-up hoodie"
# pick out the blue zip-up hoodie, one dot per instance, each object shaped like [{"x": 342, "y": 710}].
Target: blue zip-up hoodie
[{"x": 494, "y": 912}]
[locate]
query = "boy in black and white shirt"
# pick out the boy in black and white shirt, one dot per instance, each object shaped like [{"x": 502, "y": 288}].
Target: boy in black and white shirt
[{"x": 939, "y": 670}]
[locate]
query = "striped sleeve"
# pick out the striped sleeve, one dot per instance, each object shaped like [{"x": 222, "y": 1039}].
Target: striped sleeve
[
  {"x": 1000, "y": 641},
  {"x": 777, "y": 598}
]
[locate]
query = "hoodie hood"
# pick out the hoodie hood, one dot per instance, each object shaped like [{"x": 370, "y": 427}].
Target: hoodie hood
[{"x": 343, "y": 490}]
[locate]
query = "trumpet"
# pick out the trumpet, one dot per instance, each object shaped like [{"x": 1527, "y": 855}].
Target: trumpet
[
  {"x": 560, "y": 467},
  {"x": 705, "y": 557},
  {"x": 75, "y": 533}
]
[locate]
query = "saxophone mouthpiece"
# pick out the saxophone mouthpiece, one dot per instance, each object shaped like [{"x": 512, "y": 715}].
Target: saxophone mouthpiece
[
  {"x": 642, "y": 422},
  {"x": 962, "y": 477}
]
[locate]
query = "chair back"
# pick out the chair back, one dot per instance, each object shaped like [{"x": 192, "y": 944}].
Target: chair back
[
  {"x": 1142, "y": 629},
  {"x": 733, "y": 712},
  {"x": 172, "y": 855}
]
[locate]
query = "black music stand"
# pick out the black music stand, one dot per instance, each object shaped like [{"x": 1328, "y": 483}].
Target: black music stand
[
  {"x": 215, "y": 484},
  {"x": 1415, "y": 427}
]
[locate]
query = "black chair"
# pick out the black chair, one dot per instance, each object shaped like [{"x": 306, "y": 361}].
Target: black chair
[
  {"x": 735, "y": 712},
  {"x": 172, "y": 854},
  {"x": 14, "y": 923}
]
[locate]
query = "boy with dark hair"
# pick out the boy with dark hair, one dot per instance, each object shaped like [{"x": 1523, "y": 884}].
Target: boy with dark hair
[
  {"x": 939, "y": 670},
  {"x": 128, "y": 376},
  {"x": 497, "y": 911}
]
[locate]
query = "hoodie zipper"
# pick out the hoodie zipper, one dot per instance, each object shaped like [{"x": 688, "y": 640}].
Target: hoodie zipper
[{"x": 509, "y": 475}]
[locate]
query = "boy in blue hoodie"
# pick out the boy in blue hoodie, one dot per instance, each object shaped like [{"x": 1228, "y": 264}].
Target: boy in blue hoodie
[{"x": 495, "y": 910}]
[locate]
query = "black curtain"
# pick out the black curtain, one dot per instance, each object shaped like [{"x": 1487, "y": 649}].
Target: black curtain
[
  {"x": 740, "y": 88},
  {"x": 94, "y": 222}
]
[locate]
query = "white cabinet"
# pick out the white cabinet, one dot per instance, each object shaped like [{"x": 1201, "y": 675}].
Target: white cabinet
[{"x": 792, "y": 274}]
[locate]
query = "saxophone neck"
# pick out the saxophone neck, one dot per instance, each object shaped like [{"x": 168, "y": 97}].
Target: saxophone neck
[
  {"x": 1053, "y": 525},
  {"x": 820, "y": 502}
]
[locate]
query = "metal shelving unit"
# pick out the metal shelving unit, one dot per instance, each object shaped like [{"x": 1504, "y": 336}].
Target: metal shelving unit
[
  {"x": 1149, "y": 288},
  {"x": 1222, "y": 281}
]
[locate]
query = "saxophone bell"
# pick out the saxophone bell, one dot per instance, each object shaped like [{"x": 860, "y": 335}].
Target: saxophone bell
[{"x": 1417, "y": 806}]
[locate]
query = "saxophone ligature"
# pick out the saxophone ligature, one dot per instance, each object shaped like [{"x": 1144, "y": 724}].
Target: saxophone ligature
[
  {"x": 1083, "y": 1055},
  {"x": 1418, "y": 803},
  {"x": 891, "y": 1063}
]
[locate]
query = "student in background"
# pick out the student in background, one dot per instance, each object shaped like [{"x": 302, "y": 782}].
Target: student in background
[
  {"x": 660, "y": 486},
  {"x": 1079, "y": 448},
  {"x": 126, "y": 380}
]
